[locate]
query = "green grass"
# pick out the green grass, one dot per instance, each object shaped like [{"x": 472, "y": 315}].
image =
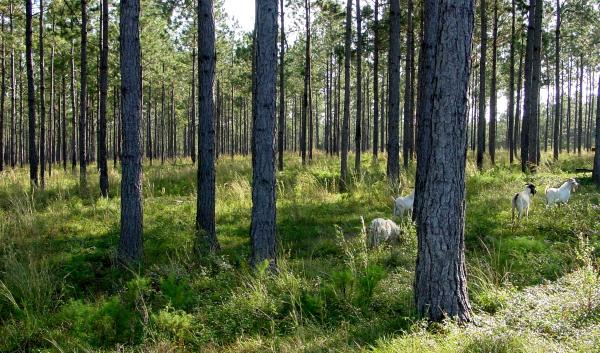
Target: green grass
[{"x": 533, "y": 287}]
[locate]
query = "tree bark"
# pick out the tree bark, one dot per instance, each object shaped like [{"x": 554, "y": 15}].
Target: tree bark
[
  {"x": 205, "y": 208},
  {"x": 33, "y": 160},
  {"x": 281, "y": 86},
  {"x": 83, "y": 100},
  {"x": 440, "y": 277},
  {"x": 393, "y": 147},
  {"x": 263, "y": 228},
  {"x": 557, "y": 100},
  {"x": 493, "y": 88},
  {"x": 42, "y": 141},
  {"x": 596, "y": 172},
  {"x": 358, "y": 124},
  {"x": 102, "y": 158},
  {"x": 408, "y": 89},
  {"x": 3, "y": 94},
  {"x": 511, "y": 88},
  {"x": 346, "y": 119},
  {"x": 305, "y": 103},
  {"x": 376, "y": 81},
  {"x": 482, "y": 93},
  {"x": 13, "y": 101},
  {"x": 130, "y": 245}
]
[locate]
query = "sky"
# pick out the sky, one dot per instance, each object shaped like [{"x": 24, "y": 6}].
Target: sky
[{"x": 242, "y": 11}]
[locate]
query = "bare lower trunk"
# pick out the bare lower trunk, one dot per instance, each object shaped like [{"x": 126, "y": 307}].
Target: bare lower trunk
[
  {"x": 393, "y": 147},
  {"x": 440, "y": 277}
]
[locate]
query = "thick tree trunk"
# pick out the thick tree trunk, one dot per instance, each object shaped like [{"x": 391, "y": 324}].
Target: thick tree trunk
[
  {"x": 205, "y": 208},
  {"x": 130, "y": 244},
  {"x": 33, "y": 160},
  {"x": 102, "y": 153},
  {"x": 482, "y": 93},
  {"x": 83, "y": 100},
  {"x": 393, "y": 147},
  {"x": 440, "y": 277},
  {"x": 535, "y": 79},
  {"x": 346, "y": 118},
  {"x": 358, "y": 124},
  {"x": 263, "y": 232}
]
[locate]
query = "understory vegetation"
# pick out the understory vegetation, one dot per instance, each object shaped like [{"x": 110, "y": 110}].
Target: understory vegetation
[{"x": 533, "y": 286}]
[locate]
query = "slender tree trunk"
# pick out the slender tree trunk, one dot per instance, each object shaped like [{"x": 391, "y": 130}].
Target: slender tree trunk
[
  {"x": 376, "y": 81},
  {"x": 580, "y": 104},
  {"x": 83, "y": 98},
  {"x": 42, "y": 142},
  {"x": 393, "y": 147},
  {"x": 557, "y": 99},
  {"x": 193, "y": 112},
  {"x": 596, "y": 173},
  {"x": 511, "y": 88},
  {"x": 535, "y": 78},
  {"x": 33, "y": 160},
  {"x": 408, "y": 88},
  {"x": 102, "y": 158},
  {"x": 130, "y": 245},
  {"x": 63, "y": 144},
  {"x": 346, "y": 119},
  {"x": 263, "y": 232},
  {"x": 281, "y": 85},
  {"x": 3, "y": 95},
  {"x": 358, "y": 125},
  {"x": 440, "y": 277},
  {"x": 13, "y": 96},
  {"x": 482, "y": 93},
  {"x": 493, "y": 88}
]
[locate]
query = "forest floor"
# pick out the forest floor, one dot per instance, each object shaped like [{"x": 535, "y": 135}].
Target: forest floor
[{"x": 534, "y": 287}]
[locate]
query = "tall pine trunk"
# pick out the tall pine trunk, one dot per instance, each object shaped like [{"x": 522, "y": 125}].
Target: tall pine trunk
[
  {"x": 596, "y": 172},
  {"x": 346, "y": 118},
  {"x": 83, "y": 99},
  {"x": 511, "y": 88},
  {"x": 281, "y": 124},
  {"x": 493, "y": 101},
  {"x": 33, "y": 157},
  {"x": 102, "y": 153},
  {"x": 482, "y": 95},
  {"x": 130, "y": 244},
  {"x": 358, "y": 124},
  {"x": 440, "y": 276},
  {"x": 407, "y": 148},
  {"x": 557, "y": 99},
  {"x": 393, "y": 147},
  {"x": 263, "y": 225},
  {"x": 376, "y": 82},
  {"x": 205, "y": 208}
]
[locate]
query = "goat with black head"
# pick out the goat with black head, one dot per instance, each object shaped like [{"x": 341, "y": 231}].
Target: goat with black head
[{"x": 522, "y": 200}]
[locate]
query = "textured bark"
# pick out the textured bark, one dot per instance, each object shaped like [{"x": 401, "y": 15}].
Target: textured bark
[
  {"x": 596, "y": 173},
  {"x": 393, "y": 147},
  {"x": 482, "y": 105},
  {"x": 63, "y": 131},
  {"x": 2, "y": 94},
  {"x": 305, "y": 93},
  {"x": 493, "y": 88},
  {"x": 102, "y": 153},
  {"x": 517, "y": 132},
  {"x": 130, "y": 244},
  {"x": 407, "y": 146},
  {"x": 532, "y": 95},
  {"x": 557, "y": 100},
  {"x": 33, "y": 160},
  {"x": 376, "y": 82},
  {"x": 193, "y": 114},
  {"x": 358, "y": 124},
  {"x": 205, "y": 208},
  {"x": 82, "y": 143},
  {"x": 42, "y": 141},
  {"x": 346, "y": 119},
  {"x": 579, "y": 112},
  {"x": 440, "y": 277},
  {"x": 511, "y": 88},
  {"x": 73, "y": 111},
  {"x": 13, "y": 97},
  {"x": 281, "y": 86},
  {"x": 263, "y": 232}
]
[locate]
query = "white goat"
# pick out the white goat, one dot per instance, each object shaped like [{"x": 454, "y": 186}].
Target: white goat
[
  {"x": 381, "y": 231},
  {"x": 522, "y": 200},
  {"x": 402, "y": 205},
  {"x": 561, "y": 194}
]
